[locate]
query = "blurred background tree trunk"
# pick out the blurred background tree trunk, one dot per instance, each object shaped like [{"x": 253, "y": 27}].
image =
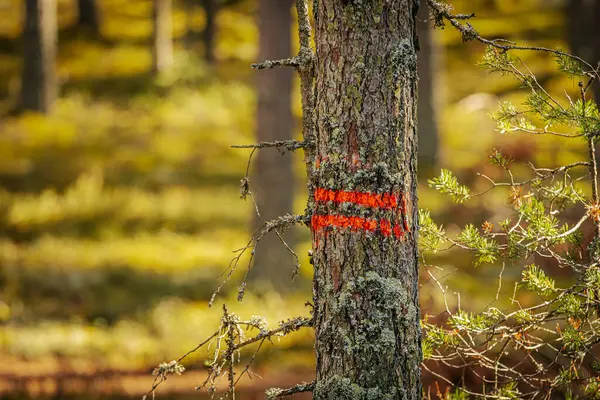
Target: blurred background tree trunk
[
  {"x": 428, "y": 86},
  {"x": 162, "y": 41},
  {"x": 39, "y": 82},
  {"x": 208, "y": 36},
  {"x": 273, "y": 180},
  {"x": 583, "y": 30},
  {"x": 88, "y": 16}
]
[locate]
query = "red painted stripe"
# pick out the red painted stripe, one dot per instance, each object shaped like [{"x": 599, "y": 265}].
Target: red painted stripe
[
  {"x": 385, "y": 227},
  {"x": 398, "y": 232},
  {"x": 319, "y": 222},
  {"x": 386, "y": 200}
]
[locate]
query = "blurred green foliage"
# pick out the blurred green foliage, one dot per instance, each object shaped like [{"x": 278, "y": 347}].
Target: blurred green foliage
[{"x": 170, "y": 329}]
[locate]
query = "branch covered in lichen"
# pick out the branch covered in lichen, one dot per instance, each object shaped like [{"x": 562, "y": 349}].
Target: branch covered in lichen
[
  {"x": 441, "y": 12},
  {"x": 286, "y": 62},
  {"x": 277, "y": 226},
  {"x": 285, "y": 145},
  {"x": 227, "y": 343},
  {"x": 276, "y": 393}
]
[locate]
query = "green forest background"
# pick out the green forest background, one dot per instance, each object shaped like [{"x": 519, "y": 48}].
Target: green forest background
[{"x": 120, "y": 209}]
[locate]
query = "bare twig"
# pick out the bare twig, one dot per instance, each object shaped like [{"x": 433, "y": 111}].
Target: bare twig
[
  {"x": 285, "y": 145},
  {"x": 279, "y": 225},
  {"x": 281, "y": 145},
  {"x": 549, "y": 174},
  {"x": 230, "y": 340},
  {"x": 245, "y": 184},
  {"x": 275, "y": 393},
  {"x": 286, "y": 62}
]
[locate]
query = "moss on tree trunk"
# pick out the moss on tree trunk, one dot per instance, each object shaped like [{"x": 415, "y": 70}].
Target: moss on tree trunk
[{"x": 364, "y": 222}]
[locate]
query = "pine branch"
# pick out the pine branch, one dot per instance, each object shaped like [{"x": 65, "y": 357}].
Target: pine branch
[{"x": 442, "y": 11}]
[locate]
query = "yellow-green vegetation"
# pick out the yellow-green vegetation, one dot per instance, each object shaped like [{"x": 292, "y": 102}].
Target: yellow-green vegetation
[{"x": 171, "y": 329}]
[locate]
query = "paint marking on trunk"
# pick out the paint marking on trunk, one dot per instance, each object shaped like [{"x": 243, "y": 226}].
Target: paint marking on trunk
[
  {"x": 384, "y": 226},
  {"x": 383, "y": 201}
]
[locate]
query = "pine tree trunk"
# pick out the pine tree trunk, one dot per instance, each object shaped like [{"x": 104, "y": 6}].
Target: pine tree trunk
[
  {"x": 88, "y": 15},
  {"x": 273, "y": 179},
  {"x": 39, "y": 82},
  {"x": 428, "y": 88},
  {"x": 162, "y": 42},
  {"x": 364, "y": 225}
]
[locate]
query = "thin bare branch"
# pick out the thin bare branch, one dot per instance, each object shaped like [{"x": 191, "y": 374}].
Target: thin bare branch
[
  {"x": 278, "y": 225},
  {"x": 286, "y": 145},
  {"x": 286, "y": 62},
  {"x": 275, "y": 393}
]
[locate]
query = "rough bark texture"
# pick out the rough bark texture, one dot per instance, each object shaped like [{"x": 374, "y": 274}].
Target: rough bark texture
[
  {"x": 427, "y": 115},
  {"x": 366, "y": 271},
  {"x": 273, "y": 180},
  {"x": 162, "y": 42},
  {"x": 39, "y": 83},
  {"x": 88, "y": 15}
]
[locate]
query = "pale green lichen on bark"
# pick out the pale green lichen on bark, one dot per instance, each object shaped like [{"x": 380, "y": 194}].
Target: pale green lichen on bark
[
  {"x": 341, "y": 388},
  {"x": 366, "y": 304}
]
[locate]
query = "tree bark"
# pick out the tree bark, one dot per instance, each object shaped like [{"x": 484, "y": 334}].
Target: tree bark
[
  {"x": 365, "y": 218},
  {"x": 162, "y": 42},
  {"x": 428, "y": 87},
  {"x": 39, "y": 82},
  {"x": 88, "y": 15},
  {"x": 273, "y": 181},
  {"x": 583, "y": 31}
]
